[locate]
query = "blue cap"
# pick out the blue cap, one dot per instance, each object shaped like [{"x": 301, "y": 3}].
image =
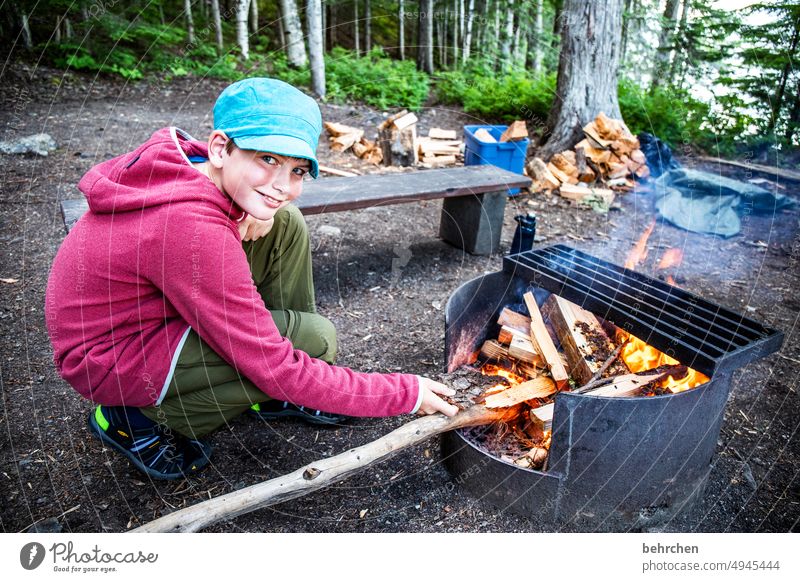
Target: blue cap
[{"x": 268, "y": 115}]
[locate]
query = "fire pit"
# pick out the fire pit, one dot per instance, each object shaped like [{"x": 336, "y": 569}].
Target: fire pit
[{"x": 614, "y": 463}]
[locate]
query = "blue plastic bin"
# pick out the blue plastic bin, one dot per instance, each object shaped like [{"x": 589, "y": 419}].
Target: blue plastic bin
[{"x": 509, "y": 155}]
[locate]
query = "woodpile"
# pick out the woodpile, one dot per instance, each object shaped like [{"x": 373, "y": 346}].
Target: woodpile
[
  {"x": 343, "y": 137},
  {"x": 606, "y": 161},
  {"x": 440, "y": 148},
  {"x": 398, "y": 144}
]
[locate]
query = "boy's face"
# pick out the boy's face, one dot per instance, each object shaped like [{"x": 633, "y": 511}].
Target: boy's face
[{"x": 260, "y": 183}]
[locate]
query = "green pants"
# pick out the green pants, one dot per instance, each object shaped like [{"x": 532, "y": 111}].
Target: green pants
[{"x": 205, "y": 392}]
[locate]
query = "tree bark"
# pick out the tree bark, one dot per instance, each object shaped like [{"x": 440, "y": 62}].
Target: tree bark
[
  {"x": 535, "y": 39},
  {"x": 680, "y": 35},
  {"x": 356, "y": 28},
  {"x": 466, "y": 49},
  {"x": 217, "y": 25},
  {"x": 507, "y": 36},
  {"x": 253, "y": 16},
  {"x": 777, "y": 103},
  {"x": 68, "y": 33},
  {"x": 425, "y": 42},
  {"x": 295, "y": 47},
  {"x": 315, "y": 48},
  {"x": 242, "y": 38},
  {"x": 587, "y": 71},
  {"x": 401, "y": 34},
  {"x": 367, "y": 26},
  {"x": 662, "y": 60},
  {"x": 187, "y": 11},
  {"x": 456, "y": 24}
]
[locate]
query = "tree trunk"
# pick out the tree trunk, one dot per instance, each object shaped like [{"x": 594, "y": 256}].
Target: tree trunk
[
  {"x": 217, "y": 25},
  {"x": 794, "y": 116},
  {"x": 57, "y": 31},
  {"x": 515, "y": 47},
  {"x": 26, "y": 32},
  {"x": 661, "y": 68},
  {"x": 456, "y": 24},
  {"x": 467, "y": 47},
  {"x": 534, "y": 55},
  {"x": 281, "y": 27},
  {"x": 68, "y": 33},
  {"x": 401, "y": 34},
  {"x": 253, "y": 16},
  {"x": 367, "y": 26},
  {"x": 587, "y": 71},
  {"x": 295, "y": 47},
  {"x": 507, "y": 36},
  {"x": 425, "y": 36},
  {"x": 333, "y": 23},
  {"x": 315, "y": 48},
  {"x": 626, "y": 24},
  {"x": 777, "y": 103},
  {"x": 440, "y": 39},
  {"x": 242, "y": 38},
  {"x": 356, "y": 27},
  {"x": 187, "y": 10},
  {"x": 680, "y": 35}
]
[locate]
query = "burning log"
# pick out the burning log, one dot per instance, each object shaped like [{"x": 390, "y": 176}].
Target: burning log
[
  {"x": 493, "y": 350},
  {"x": 544, "y": 344},
  {"x": 625, "y": 385},
  {"x": 582, "y": 338},
  {"x": 540, "y": 387},
  {"x": 322, "y": 473}
]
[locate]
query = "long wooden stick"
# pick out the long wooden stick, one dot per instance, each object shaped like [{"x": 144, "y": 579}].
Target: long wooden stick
[{"x": 322, "y": 473}]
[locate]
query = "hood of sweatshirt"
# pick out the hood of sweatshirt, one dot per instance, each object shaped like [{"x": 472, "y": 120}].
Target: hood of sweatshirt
[{"x": 158, "y": 172}]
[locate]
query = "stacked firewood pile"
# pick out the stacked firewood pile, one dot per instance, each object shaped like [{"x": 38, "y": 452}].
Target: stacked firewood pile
[
  {"x": 530, "y": 370},
  {"x": 606, "y": 161},
  {"x": 397, "y": 143},
  {"x": 344, "y": 137}
]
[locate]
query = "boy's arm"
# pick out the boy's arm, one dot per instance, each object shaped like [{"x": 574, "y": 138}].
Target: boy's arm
[{"x": 198, "y": 262}]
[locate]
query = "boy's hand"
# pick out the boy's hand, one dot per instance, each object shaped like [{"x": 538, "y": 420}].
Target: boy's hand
[
  {"x": 431, "y": 403},
  {"x": 253, "y": 229}
]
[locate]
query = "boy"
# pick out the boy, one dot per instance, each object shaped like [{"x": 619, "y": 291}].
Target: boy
[{"x": 185, "y": 297}]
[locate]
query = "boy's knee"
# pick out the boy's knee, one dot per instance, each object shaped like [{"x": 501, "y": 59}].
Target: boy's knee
[
  {"x": 318, "y": 337},
  {"x": 290, "y": 221}
]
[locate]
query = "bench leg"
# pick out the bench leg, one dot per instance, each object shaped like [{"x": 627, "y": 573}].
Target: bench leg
[{"x": 474, "y": 223}]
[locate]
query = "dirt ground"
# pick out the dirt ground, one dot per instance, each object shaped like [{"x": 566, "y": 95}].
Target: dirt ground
[{"x": 389, "y": 312}]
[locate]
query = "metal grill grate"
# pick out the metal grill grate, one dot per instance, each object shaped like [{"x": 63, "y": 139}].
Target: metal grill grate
[{"x": 692, "y": 330}]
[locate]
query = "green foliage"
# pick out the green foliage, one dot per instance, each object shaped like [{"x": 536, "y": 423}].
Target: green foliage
[
  {"x": 506, "y": 97},
  {"x": 375, "y": 79}
]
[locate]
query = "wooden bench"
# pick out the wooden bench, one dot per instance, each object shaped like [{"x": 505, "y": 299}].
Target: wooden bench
[{"x": 472, "y": 211}]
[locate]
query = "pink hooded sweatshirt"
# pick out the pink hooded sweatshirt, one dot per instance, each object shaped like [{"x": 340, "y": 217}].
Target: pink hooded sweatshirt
[{"x": 159, "y": 252}]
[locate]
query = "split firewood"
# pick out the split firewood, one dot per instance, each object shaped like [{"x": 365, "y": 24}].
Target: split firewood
[
  {"x": 543, "y": 178},
  {"x": 337, "y": 129},
  {"x": 514, "y": 320},
  {"x": 345, "y": 141},
  {"x": 585, "y": 173},
  {"x": 324, "y": 472},
  {"x": 404, "y": 121},
  {"x": 360, "y": 148},
  {"x": 515, "y": 131},
  {"x": 585, "y": 343},
  {"x": 493, "y": 350},
  {"x": 621, "y": 386},
  {"x": 544, "y": 343},
  {"x": 562, "y": 162},
  {"x": 533, "y": 459},
  {"x": 483, "y": 135},
  {"x": 336, "y": 172},
  {"x": 581, "y": 192},
  {"x": 429, "y": 146},
  {"x": 438, "y": 133},
  {"x": 436, "y": 161},
  {"x": 591, "y": 133},
  {"x": 507, "y": 334},
  {"x": 521, "y": 348},
  {"x": 561, "y": 176},
  {"x": 540, "y": 387}
]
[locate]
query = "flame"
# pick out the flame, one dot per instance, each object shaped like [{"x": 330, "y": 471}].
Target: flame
[
  {"x": 640, "y": 357},
  {"x": 494, "y": 370},
  {"x": 671, "y": 258},
  {"x": 639, "y": 251},
  {"x": 670, "y": 280}
]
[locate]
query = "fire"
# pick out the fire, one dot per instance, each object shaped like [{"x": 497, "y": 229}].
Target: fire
[
  {"x": 494, "y": 370},
  {"x": 671, "y": 258},
  {"x": 639, "y": 251},
  {"x": 640, "y": 357}
]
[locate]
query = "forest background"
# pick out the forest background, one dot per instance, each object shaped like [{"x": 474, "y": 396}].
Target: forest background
[{"x": 714, "y": 77}]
